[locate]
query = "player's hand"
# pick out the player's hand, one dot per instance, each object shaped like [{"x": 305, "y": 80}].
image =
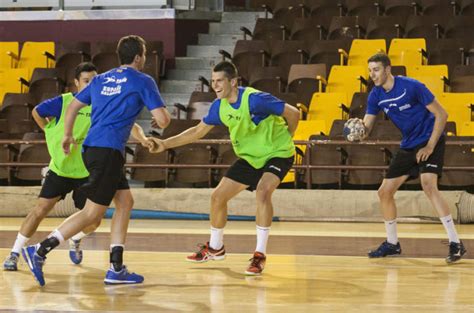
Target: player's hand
[
  {"x": 66, "y": 144},
  {"x": 158, "y": 145},
  {"x": 424, "y": 153},
  {"x": 148, "y": 143}
]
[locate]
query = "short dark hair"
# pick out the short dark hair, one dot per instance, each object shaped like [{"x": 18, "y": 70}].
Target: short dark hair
[
  {"x": 84, "y": 67},
  {"x": 228, "y": 68},
  {"x": 382, "y": 58},
  {"x": 129, "y": 47}
]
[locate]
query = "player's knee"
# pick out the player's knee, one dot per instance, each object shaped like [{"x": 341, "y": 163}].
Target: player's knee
[
  {"x": 218, "y": 197},
  {"x": 95, "y": 225},
  {"x": 93, "y": 216},
  {"x": 429, "y": 187},
  {"x": 264, "y": 192},
  {"x": 40, "y": 211},
  {"x": 385, "y": 193}
]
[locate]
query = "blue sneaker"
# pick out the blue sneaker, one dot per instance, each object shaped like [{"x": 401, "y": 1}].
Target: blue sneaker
[
  {"x": 75, "y": 251},
  {"x": 35, "y": 263},
  {"x": 123, "y": 277},
  {"x": 11, "y": 262},
  {"x": 386, "y": 249}
]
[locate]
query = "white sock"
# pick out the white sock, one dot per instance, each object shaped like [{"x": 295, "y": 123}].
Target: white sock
[
  {"x": 20, "y": 242},
  {"x": 78, "y": 236},
  {"x": 116, "y": 245},
  {"x": 391, "y": 229},
  {"x": 217, "y": 238},
  {"x": 448, "y": 224},
  {"x": 262, "y": 239},
  {"x": 56, "y": 234}
]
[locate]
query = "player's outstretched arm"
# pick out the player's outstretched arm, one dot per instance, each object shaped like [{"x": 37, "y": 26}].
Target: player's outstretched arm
[
  {"x": 69, "y": 120},
  {"x": 369, "y": 121},
  {"x": 161, "y": 116},
  {"x": 139, "y": 134},
  {"x": 188, "y": 136},
  {"x": 292, "y": 117}
]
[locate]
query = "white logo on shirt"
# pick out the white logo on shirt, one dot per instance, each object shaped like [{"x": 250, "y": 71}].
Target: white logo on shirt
[
  {"x": 394, "y": 99},
  {"x": 110, "y": 91},
  {"x": 112, "y": 79},
  {"x": 404, "y": 107}
]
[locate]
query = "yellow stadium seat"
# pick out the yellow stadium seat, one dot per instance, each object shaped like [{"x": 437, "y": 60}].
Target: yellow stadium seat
[
  {"x": 430, "y": 75},
  {"x": 34, "y": 54},
  {"x": 10, "y": 81},
  {"x": 458, "y": 106},
  {"x": 428, "y": 70},
  {"x": 466, "y": 129},
  {"x": 305, "y": 129},
  {"x": 407, "y": 52},
  {"x": 8, "y": 54},
  {"x": 346, "y": 79},
  {"x": 327, "y": 106},
  {"x": 433, "y": 83},
  {"x": 361, "y": 50}
]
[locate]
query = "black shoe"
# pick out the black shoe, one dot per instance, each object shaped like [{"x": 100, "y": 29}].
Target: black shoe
[
  {"x": 386, "y": 249},
  {"x": 456, "y": 251}
]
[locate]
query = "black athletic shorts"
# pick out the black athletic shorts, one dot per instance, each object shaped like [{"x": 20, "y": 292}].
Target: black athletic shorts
[
  {"x": 242, "y": 172},
  {"x": 404, "y": 162},
  {"x": 59, "y": 186},
  {"x": 106, "y": 174}
]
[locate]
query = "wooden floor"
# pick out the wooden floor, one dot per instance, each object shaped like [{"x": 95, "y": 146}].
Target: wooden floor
[{"x": 312, "y": 267}]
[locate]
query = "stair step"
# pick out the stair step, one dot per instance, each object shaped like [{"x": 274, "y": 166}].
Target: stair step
[
  {"x": 180, "y": 86},
  {"x": 229, "y": 28},
  {"x": 218, "y": 39},
  {"x": 172, "y": 98},
  {"x": 188, "y": 74},
  {"x": 193, "y": 63},
  {"x": 245, "y": 17},
  {"x": 207, "y": 51}
]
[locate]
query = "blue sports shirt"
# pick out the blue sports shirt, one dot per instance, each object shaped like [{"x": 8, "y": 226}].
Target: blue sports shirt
[
  {"x": 118, "y": 97},
  {"x": 261, "y": 105},
  {"x": 405, "y": 105}
]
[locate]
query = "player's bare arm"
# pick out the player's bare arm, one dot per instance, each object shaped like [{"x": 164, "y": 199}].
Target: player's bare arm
[
  {"x": 292, "y": 117},
  {"x": 188, "y": 136},
  {"x": 369, "y": 122},
  {"x": 161, "y": 117},
  {"x": 441, "y": 116},
  {"x": 69, "y": 120},
  {"x": 42, "y": 122},
  {"x": 139, "y": 134}
]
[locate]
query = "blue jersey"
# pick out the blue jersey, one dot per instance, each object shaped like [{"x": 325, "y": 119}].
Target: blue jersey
[
  {"x": 405, "y": 105},
  {"x": 51, "y": 107},
  {"x": 118, "y": 96},
  {"x": 261, "y": 105}
]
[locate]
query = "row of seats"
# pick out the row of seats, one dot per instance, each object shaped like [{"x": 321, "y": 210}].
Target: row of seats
[
  {"x": 48, "y": 67},
  {"x": 330, "y": 106},
  {"x": 286, "y": 11},
  {"x": 316, "y": 154},
  {"x": 249, "y": 55},
  {"x": 341, "y": 27}
]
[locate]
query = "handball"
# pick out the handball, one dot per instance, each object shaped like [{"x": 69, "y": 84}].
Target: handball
[{"x": 354, "y": 130}]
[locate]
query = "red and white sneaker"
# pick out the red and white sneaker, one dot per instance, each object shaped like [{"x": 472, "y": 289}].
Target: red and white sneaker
[
  {"x": 206, "y": 253},
  {"x": 257, "y": 264}
]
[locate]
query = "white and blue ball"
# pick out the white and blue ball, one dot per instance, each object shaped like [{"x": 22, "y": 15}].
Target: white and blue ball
[{"x": 354, "y": 130}]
